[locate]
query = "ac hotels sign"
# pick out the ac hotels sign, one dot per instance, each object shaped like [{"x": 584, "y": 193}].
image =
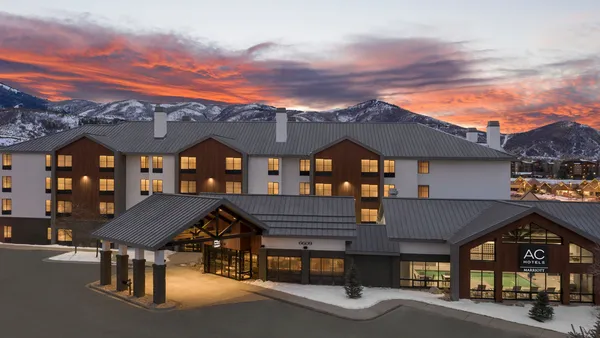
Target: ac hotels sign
[{"x": 533, "y": 258}]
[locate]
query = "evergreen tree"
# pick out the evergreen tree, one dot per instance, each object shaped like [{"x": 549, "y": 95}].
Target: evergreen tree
[
  {"x": 352, "y": 283},
  {"x": 541, "y": 310},
  {"x": 583, "y": 333}
]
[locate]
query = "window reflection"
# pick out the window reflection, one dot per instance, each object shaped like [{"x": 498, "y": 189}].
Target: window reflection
[{"x": 424, "y": 274}]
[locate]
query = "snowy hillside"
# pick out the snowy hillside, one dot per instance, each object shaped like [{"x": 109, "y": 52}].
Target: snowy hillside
[{"x": 13, "y": 98}]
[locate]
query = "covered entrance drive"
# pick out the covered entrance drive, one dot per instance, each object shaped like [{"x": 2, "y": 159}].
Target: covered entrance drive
[{"x": 228, "y": 237}]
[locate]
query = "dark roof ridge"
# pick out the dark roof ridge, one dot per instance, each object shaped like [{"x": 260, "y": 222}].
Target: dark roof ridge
[
  {"x": 511, "y": 202},
  {"x": 282, "y": 195}
]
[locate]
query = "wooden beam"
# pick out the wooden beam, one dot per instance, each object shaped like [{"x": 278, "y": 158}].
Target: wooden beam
[
  {"x": 228, "y": 227},
  {"x": 202, "y": 240}
]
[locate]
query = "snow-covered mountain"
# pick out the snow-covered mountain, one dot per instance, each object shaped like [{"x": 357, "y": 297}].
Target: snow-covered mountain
[{"x": 13, "y": 98}]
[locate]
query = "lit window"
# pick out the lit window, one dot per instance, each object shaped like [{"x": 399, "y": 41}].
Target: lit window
[
  {"x": 48, "y": 207},
  {"x": 369, "y": 166},
  {"x": 323, "y": 165},
  {"x": 423, "y": 191},
  {"x": 188, "y": 187},
  {"x": 6, "y": 206},
  {"x": 6, "y": 161},
  {"x": 157, "y": 186},
  {"x": 323, "y": 189},
  {"x": 233, "y": 187},
  {"x": 368, "y": 190},
  {"x": 144, "y": 165},
  {"x": 64, "y": 161},
  {"x": 423, "y": 167},
  {"x": 578, "y": 254},
  {"x": 273, "y": 188},
  {"x": 304, "y": 188},
  {"x": 188, "y": 163},
  {"x": 6, "y": 183},
  {"x": 64, "y": 235},
  {"x": 7, "y": 232},
  {"x": 273, "y": 166},
  {"x": 107, "y": 208},
  {"x": 48, "y": 184},
  {"x": 107, "y": 162},
  {"x": 389, "y": 168},
  {"x": 144, "y": 186},
  {"x": 484, "y": 252},
  {"x": 386, "y": 189},
  {"x": 48, "y": 162},
  {"x": 157, "y": 164},
  {"x": 49, "y": 234},
  {"x": 107, "y": 185},
  {"x": 368, "y": 215},
  {"x": 233, "y": 164},
  {"x": 64, "y": 207},
  {"x": 65, "y": 184},
  {"x": 304, "y": 167}
]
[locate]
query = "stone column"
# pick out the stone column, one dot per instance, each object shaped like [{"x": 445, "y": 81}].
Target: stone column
[
  {"x": 122, "y": 268},
  {"x": 159, "y": 278},
  {"x": 105, "y": 264},
  {"x": 139, "y": 273}
]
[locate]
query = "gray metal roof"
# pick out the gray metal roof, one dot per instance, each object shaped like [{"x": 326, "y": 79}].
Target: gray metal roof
[
  {"x": 401, "y": 140},
  {"x": 372, "y": 239}
]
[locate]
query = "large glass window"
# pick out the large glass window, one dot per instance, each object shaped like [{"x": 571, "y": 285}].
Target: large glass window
[
  {"x": 368, "y": 215},
  {"x": 107, "y": 186},
  {"x": 284, "y": 269},
  {"x": 578, "y": 254},
  {"x": 323, "y": 189},
  {"x": 188, "y": 187},
  {"x": 233, "y": 165},
  {"x": 144, "y": 186},
  {"x": 144, "y": 164},
  {"x": 273, "y": 188},
  {"x": 304, "y": 167},
  {"x": 484, "y": 252},
  {"x": 188, "y": 164},
  {"x": 64, "y": 162},
  {"x": 369, "y": 190},
  {"x": 157, "y": 164},
  {"x": 157, "y": 186},
  {"x": 327, "y": 271},
  {"x": 64, "y": 208},
  {"x": 233, "y": 187},
  {"x": 323, "y": 165},
  {"x": 107, "y": 209},
  {"x": 386, "y": 189},
  {"x": 581, "y": 287},
  {"x": 273, "y": 166},
  {"x": 389, "y": 168},
  {"x": 369, "y": 166},
  {"x": 424, "y": 274},
  {"x": 531, "y": 233},
  {"x": 526, "y": 285},
  {"x": 482, "y": 284},
  {"x": 64, "y": 236},
  {"x": 64, "y": 184},
  {"x": 304, "y": 188},
  {"x": 107, "y": 163}
]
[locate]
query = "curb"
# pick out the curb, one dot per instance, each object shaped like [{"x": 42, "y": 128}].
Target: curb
[{"x": 131, "y": 300}]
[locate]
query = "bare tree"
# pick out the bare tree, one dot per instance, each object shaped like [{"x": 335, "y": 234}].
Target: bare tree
[{"x": 82, "y": 221}]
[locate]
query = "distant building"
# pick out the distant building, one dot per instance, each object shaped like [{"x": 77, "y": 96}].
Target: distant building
[
  {"x": 533, "y": 168},
  {"x": 579, "y": 169}
]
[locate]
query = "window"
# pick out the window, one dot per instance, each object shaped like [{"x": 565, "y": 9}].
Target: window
[
  {"x": 386, "y": 189},
  {"x": 304, "y": 188},
  {"x": 64, "y": 163},
  {"x": 323, "y": 167},
  {"x": 157, "y": 164},
  {"x": 423, "y": 191},
  {"x": 424, "y": 274},
  {"x": 284, "y": 269},
  {"x": 48, "y": 185},
  {"x": 525, "y": 286},
  {"x": 188, "y": 164},
  {"x": 531, "y": 233},
  {"x": 273, "y": 166},
  {"x": 273, "y": 188},
  {"x": 107, "y": 209},
  {"x": 326, "y": 271},
  {"x": 144, "y": 165},
  {"x": 423, "y": 167},
  {"x": 188, "y": 187},
  {"x": 48, "y": 207},
  {"x": 7, "y": 233},
  {"x": 157, "y": 186},
  {"x": 6, "y": 206},
  {"x": 578, "y": 254},
  {"x": 233, "y": 187},
  {"x": 65, "y": 185},
  {"x": 581, "y": 287},
  {"x": 323, "y": 189},
  {"x": 107, "y": 163},
  {"x": 369, "y": 191},
  {"x": 49, "y": 235},
  {"x": 6, "y": 161},
  {"x": 482, "y": 284},
  {"x": 107, "y": 186},
  {"x": 48, "y": 162},
  {"x": 233, "y": 165},
  {"x": 304, "y": 167},
  {"x": 64, "y": 208},
  {"x": 484, "y": 252},
  {"x": 368, "y": 215},
  {"x": 369, "y": 167},
  {"x": 6, "y": 183},
  {"x": 64, "y": 236},
  {"x": 144, "y": 186},
  {"x": 389, "y": 168}
]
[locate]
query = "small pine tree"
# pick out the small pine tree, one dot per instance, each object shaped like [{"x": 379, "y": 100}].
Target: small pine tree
[
  {"x": 541, "y": 310},
  {"x": 352, "y": 283}
]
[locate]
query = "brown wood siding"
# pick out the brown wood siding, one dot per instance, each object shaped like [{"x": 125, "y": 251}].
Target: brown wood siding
[
  {"x": 346, "y": 159},
  {"x": 210, "y": 163},
  {"x": 507, "y": 256},
  {"x": 86, "y": 162}
]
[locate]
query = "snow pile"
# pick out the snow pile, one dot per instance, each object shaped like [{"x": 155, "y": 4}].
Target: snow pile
[{"x": 564, "y": 316}]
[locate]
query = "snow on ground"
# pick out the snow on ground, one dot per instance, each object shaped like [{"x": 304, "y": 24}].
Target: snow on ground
[
  {"x": 90, "y": 256},
  {"x": 564, "y": 316}
]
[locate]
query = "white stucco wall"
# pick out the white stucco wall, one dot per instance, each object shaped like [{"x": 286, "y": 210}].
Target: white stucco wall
[
  {"x": 258, "y": 175},
  {"x": 406, "y": 178},
  {"x": 28, "y": 186},
  {"x": 168, "y": 174},
  {"x": 299, "y": 243},
  {"x": 290, "y": 176},
  {"x": 133, "y": 178},
  {"x": 424, "y": 248}
]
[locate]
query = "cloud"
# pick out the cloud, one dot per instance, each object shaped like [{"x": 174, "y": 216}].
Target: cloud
[{"x": 82, "y": 59}]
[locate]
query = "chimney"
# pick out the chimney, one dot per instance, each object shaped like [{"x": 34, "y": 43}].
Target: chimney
[
  {"x": 493, "y": 135},
  {"x": 160, "y": 122},
  {"x": 472, "y": 135},
  {"x": 281, "y": 120}
]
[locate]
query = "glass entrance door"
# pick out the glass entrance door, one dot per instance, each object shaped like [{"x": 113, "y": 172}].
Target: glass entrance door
[{"x": 228, "y": 262}]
